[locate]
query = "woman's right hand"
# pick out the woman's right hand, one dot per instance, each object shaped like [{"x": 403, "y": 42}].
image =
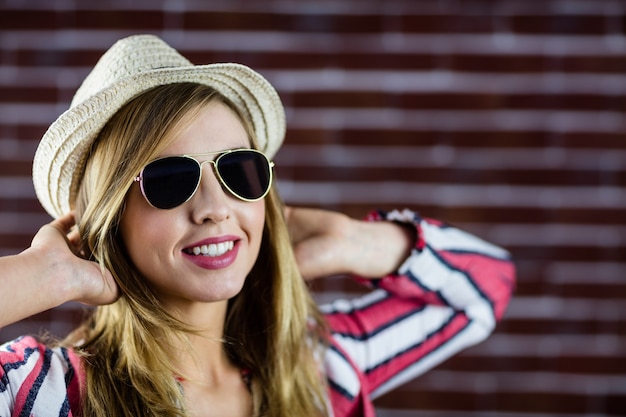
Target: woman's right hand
[
  {"x": 58, "y": 244},
  {"x": 51, "y": 272}
]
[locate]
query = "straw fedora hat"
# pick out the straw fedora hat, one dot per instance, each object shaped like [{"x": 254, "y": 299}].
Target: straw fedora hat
[{"x": 131, "y": 66}]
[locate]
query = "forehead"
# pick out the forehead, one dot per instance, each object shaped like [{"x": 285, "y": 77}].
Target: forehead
[{"x": 211, "y": 127}]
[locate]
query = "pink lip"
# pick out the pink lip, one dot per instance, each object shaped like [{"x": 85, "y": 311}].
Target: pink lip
[{"x": 214, "y": 262}]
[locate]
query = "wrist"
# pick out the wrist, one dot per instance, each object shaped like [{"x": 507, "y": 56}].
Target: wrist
[
  {"x": 50, "y": 274},
  {"x": 397, "y": 239}
]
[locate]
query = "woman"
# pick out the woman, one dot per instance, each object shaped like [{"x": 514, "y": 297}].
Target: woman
[{"x": 198, "y": 268}]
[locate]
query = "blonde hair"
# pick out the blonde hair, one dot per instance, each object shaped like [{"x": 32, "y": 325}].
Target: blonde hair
[{"x": 273, "y": 327}]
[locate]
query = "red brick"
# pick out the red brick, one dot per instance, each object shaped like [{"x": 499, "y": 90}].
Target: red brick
[
  {"x": 571, "y": 24},
  {"x": 16, "y": 168},
  {"x": 27, "y": 94},
  {"x": 24, "y": 20}
]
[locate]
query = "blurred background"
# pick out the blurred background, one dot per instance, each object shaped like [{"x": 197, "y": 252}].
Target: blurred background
[{"x": 505, "y": 118}]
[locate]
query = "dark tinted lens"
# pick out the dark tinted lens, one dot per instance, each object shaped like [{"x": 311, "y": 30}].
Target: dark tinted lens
[
  {"x": 245, "y": 173},
  {"x": 169, "y": 182}
]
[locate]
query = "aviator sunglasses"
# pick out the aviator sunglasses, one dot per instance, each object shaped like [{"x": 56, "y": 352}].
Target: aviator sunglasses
[{"x": 171, "y": 181}]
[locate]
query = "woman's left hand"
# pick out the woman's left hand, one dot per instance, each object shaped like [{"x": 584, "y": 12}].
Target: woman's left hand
[{"x": 330, "y": 243}]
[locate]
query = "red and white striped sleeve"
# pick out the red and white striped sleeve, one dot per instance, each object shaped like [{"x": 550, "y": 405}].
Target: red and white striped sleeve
[
  {"x": 445, "y": 297},
  {"x": 36, "y": 380}
]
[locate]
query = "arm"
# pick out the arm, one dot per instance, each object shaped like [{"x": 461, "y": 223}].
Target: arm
[
  {"x": 445, "y": 296},
  {"x": 329, "y": 243},
  {"x": 49, "y": 273}
]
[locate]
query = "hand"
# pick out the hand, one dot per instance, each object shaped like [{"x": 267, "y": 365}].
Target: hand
[
  {"x": 329, "y": 243},
  {"x": 58, "y": 244}
]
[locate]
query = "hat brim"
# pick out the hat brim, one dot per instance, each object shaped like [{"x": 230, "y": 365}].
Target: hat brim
[{"x": 63, "y": 146}]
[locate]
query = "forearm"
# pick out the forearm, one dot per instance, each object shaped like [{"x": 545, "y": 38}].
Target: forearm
[
  {"x": 328, "y": 243},
  {"x": 445, "y": 296},
  {"x": 30, "y": 283}
]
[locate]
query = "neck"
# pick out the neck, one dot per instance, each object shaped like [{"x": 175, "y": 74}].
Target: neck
[{"x": 203, "y": 359}]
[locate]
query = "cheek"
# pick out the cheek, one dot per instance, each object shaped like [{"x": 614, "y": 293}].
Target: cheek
[
  {"x": 141, "y": 228},
  {"x": 257, "y": 221},
  {"x": 251, "y": 218},
  {"x": 130, "y": 219}
]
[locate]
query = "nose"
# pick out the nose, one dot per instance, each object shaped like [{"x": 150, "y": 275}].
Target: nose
[{"x": 211, "y": 203}]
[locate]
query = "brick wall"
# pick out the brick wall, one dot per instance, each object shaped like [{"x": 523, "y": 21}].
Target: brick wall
[{"x": 505, "y": 118}]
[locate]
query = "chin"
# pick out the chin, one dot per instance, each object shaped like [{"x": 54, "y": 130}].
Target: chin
[{"x": 218, "y": 293}]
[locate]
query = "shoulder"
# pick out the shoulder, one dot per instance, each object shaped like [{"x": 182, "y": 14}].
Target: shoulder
[
  {"x": 27, "y": 351},
  {"x": 31, "y": 371}
]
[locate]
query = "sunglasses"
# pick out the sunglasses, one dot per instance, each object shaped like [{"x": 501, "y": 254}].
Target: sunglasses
[{"x": 171, "y": 181}]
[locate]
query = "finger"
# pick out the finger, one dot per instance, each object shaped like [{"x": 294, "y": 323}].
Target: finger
[
  {"x": 301, "y": 223},
  {"x": 57, "y": 230},
  {"x": 287, "y": 212},
  {"x": 75, "y": 243},
  {"x": 99, "y": 286},
  {"x": 64, "y": 223},
  {"x": 73, "y": 236},
  {"x": 110, "y": 291}
]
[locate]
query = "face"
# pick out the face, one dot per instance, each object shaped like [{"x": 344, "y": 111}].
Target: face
[{"x": 202, "y": 250}]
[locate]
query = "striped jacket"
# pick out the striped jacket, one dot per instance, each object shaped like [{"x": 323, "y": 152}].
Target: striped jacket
[{"x": 445, "y": 297}]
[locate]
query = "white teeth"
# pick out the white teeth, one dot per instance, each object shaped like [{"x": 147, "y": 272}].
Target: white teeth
[{"x": 213, "y": 249}]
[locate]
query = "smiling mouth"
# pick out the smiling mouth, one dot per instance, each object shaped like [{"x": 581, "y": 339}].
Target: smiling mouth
[{"x": 212, "y": 249}]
